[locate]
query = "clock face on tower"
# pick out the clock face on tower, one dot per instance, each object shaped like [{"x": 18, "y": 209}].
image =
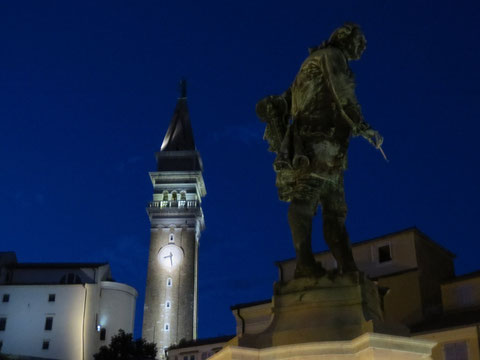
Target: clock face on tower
[{"x": 170, "y": 256}]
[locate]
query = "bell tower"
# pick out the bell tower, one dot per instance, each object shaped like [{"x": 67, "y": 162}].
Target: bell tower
[{"x": 176, "y": 221}]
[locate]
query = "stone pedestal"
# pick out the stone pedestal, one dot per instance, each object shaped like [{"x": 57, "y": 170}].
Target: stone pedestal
[
  {"x": 365, "y": 347},
  {"x": 335, "y": 308}
]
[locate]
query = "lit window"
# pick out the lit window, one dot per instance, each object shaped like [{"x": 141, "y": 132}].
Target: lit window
[
  {"x": 384, "y": 253},
  {"x": 456, "y": 351},
  {"x": 3, "y": 323},
  {"x": 169, "y": 282},
  {"x": 183, "y": 195},
  {"x": 51, "y": 297},
  {"x": 45, "y": 345},
  {"x": 167, "y": 327},
  {"x": 171, "y": 238},
  {"x": 174, "y": 196},
  {"x": 6, "y": 298},
  {"x": 103, "y": 334},
  {"x": 48, "y": 323},
  {"x": 165, "y": 195},
  {"x": 167, "y": 304}
]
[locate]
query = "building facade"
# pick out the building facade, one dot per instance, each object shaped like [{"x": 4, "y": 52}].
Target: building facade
[
  {"x": 61, "y": 310},
  {"x": 176, "y": 221}
]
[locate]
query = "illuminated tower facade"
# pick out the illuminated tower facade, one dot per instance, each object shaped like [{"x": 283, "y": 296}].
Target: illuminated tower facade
[{"x": 176, "y": 221}]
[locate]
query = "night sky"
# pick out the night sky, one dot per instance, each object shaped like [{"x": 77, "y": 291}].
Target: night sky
[{"x": 87, "y": 90}]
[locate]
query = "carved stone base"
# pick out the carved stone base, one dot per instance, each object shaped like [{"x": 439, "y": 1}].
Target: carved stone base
[
  {"x": 366, "y": 347},
  {"x": 336, "y": 308}
]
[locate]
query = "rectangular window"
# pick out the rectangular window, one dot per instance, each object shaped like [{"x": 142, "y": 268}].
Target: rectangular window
[
  {"x": 51, "y": 297},
  {"x": 384, "y": 253},
  {"x": 192, "y": 357},
  {"x": 3, "y": 323},
  {"x": 456, "y": 351},
  {"x": 48, "y": 323},
  {"x": 6, "y": 298},
  {"x": 45, "y": 345},
  {"x": 103, "y": 334},
  {"x": 1, "y": 345}
]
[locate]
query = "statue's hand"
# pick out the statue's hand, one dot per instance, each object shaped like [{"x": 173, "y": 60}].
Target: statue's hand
[{"x": 373, "y": 137}]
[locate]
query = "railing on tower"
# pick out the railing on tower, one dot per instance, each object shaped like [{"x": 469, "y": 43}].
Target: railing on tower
[{"x": 173, "y": 204}]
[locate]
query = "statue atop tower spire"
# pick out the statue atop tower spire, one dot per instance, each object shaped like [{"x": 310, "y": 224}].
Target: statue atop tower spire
[{"x": 183, "y": 88}]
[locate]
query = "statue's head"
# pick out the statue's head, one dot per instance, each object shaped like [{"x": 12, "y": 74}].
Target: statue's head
[{"x": 350, "y": 39}]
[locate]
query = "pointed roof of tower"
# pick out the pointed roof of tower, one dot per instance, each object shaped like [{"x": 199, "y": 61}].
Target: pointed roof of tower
[{"x": 179, "y": 136}]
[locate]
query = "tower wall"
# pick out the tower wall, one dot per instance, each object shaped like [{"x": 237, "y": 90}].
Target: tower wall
[
  {"x": 179, "y": 291},
  {"x": 176, "y": 217}
]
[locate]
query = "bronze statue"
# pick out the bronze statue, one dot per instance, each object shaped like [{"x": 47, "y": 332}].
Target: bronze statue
[{"x": 309, "y": 126}]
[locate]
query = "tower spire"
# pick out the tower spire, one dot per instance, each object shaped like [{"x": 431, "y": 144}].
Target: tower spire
[{"x": 179, "y": 136}]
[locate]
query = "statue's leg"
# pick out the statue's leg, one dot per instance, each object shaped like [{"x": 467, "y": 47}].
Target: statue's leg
[
  {"x": 334, "y": 212},
  {"x": 300, "y": 217}
]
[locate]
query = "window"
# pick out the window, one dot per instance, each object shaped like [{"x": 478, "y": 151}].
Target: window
[
  {"x": 384, "y": 253},
  {"x": 1, "y": 345},
  {"x": 171, "y": 238},
  {"x": 464, "y": 294},
  {"x": 167, "y": 327},
  {"x": 51, "y": 297},
  {"x": 168, "y": 305},
  {"x": 192, "y": 357},
  {"x": 183, "y": 195},
  {"x": 185, "y": 357},
  {"x": 169, "y": 282},
  {"x": 45, "y": 345},
  {"x": 165, "y": 195},
  {"x": 174, "y": 196},
  {"x": 70, "y": 278},
  {"x": 103, "y": 334},
  {"x": 3, "y": 323},
  {"x": 48, "y": 323},
  {"x": 456, "y": 351},
  {"x": 6, "y": 298}
]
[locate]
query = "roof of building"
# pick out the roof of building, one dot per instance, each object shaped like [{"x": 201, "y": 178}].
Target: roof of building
[
  {"x": 377, "y": 238},
  {"x": 448, "y": 320},
  {"x": 199, "y": 342},
  {"x": 467, "y": 276},
  {"x": 179, "y": 136}
]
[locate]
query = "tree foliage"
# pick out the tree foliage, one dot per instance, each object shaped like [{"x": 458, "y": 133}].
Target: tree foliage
[{"x": 123, "y": 347}]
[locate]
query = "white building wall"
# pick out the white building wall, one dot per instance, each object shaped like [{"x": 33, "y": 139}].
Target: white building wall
[
  {"x": 115, "y": 296},
  {"x": 26, "y": 312},
  {"x": 76, "y": 312}
]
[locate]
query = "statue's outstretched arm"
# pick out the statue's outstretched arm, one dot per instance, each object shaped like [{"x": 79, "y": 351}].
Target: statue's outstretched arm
[{"x": 342, "y": 89}]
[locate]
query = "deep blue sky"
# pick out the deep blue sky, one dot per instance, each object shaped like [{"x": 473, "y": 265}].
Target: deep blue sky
[{"x": 87, "y": 90}]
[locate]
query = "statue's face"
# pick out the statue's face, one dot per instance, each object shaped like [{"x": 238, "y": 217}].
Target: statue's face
[{"x": 356, "y": 47}]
